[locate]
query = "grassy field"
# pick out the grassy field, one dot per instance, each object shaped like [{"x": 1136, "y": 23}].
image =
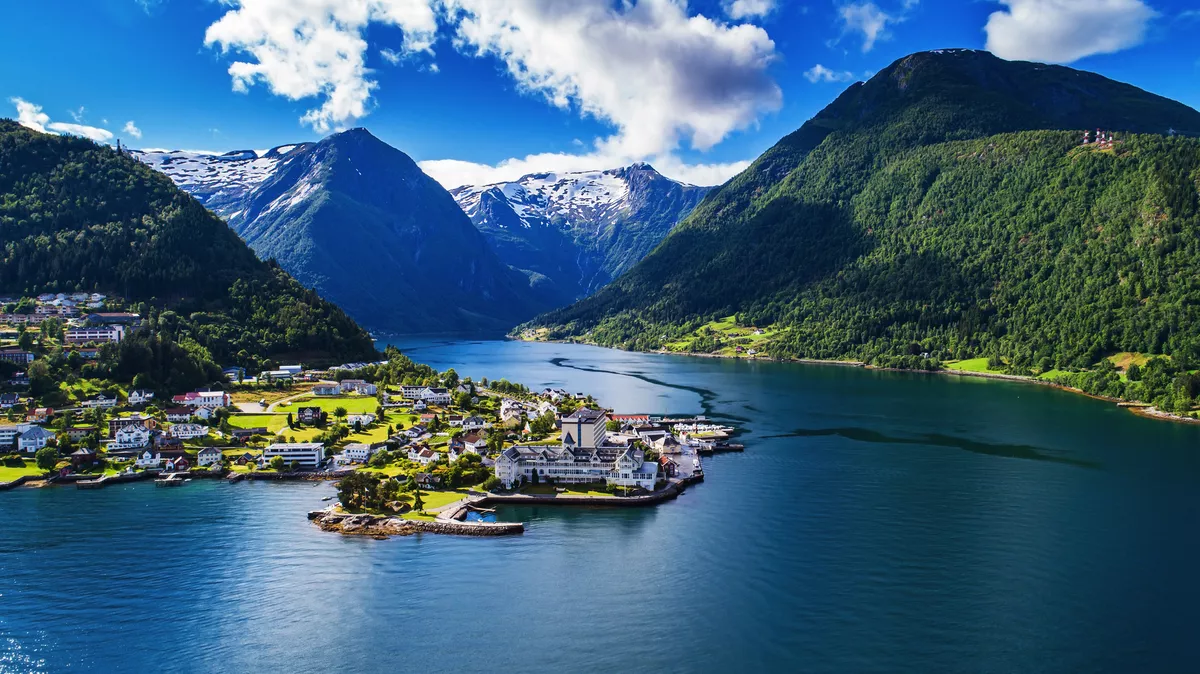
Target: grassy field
[
  {"x": 731, "y": 336},
  {"x": 86, "y": 388},
  {"x": 272, "y": 422},
  {"x": 971, "y": 365},
  {"x": 10, "y": 473},
  {"x": 1126, "y": 358},
  {"x": 352, "y": 404},
  {"x": 270, "y": 395}
]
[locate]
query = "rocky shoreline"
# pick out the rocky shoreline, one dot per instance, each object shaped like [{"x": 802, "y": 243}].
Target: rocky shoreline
[{"x": 382, "y": 526}]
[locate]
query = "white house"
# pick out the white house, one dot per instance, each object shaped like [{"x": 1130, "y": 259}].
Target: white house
[
  {"x": 411, "y": 392},
  {"x": 420, "y": 406},
  {"x": 101, "y": 401},
  {"x": 326, "y": 390},
  {"x": 208, "y": 456},
  {"x": 140, "y": 397},
  {"x": 178, "y": 415},
  {"x": 33, "y": 439},
  {"x": 130, "y": 437},
  {"x": 436, "y": 396},
  {"x": 188, "y": 431},
  {"x": 203, "y": 399},
  {"x": 474, "y": 424},
  {"x": 357, "y": 386},
  {"x": 363, "y": 419},
  {"x": 454, "y": 421},
  {"x": 149, "y": 459},
  {"x": 474, "y": 442},
  {"x": 423, "y": 455},
  {"x": 357, "y": 451},
  {"x": 204, "y": 413},
  {"x": 9, "y": 434},
  {"x": 306, "y": 454}
]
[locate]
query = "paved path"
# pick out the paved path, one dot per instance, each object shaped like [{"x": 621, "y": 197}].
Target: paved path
[{"x": 255, "y": 408}]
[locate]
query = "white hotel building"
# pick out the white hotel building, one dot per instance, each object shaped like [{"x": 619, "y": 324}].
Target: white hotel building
[{"x": 583, "y": 457}]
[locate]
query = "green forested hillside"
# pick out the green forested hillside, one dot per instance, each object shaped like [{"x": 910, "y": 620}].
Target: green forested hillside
[
  {"x": 913, "y": 216},
  {"x": 75, "y": 215}
]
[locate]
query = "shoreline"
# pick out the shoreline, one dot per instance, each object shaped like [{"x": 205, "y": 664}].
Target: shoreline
[{"x": 1140, "y": 409}]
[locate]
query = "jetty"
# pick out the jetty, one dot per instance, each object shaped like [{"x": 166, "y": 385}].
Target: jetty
[{"x": 171, "y": 480}]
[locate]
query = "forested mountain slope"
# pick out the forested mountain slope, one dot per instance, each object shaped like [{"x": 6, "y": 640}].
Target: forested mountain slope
[
  {"x": 936, "y": 209},
  {"x": 75, "y": 215}
]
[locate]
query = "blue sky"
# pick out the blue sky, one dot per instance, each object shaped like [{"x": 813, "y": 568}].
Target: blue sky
[{"x": 482, "y": 90}]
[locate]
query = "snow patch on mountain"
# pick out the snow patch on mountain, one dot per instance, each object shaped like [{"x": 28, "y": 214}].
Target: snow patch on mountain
[{"x": 219, "y": 181}]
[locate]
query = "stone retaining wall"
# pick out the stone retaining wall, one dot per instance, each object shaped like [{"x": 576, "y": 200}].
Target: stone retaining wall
[
  {"x": 381, "y": 526},
  {"x": 5, "y": 486}
]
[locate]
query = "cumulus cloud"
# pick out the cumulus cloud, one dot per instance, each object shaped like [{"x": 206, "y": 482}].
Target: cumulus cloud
[
  {"x": 30, "y": 115},
  {"x": 391, "y": 56},
  {"x": 659, "y": 76},
  {"x": 1062, "y": 31},
  {"x": 131, "y": 129},
  {"x": 820, "y": 73},
  {"x": 316, "y": 48},
  {"x": 747, "y": 9}
]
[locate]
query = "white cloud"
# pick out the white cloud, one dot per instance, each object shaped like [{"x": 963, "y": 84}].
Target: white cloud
[
  {"x": 316, "y": 48},
  {"x": 820, "y": 73},
  {"x": 747, "y": 9},
  {"x": 31, "y": 116},
  {"x": 659, "y": 76},
  {"x": 867, "y": 19},
  {"x": 131, "y": 129},
  {"x": 93, "y": 132},
  {"x": 454, "y": 173},
  {"x": 1062, "y": 31},
  {"x": 77, "y": 115},
  {"x": 391, "y": 56}
]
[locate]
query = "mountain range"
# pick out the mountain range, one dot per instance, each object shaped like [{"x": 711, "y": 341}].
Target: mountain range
[
  {"x": 947, "y": 208},
  {"x": 359, "y": 222},
  {"x": 580, "y": 229}
]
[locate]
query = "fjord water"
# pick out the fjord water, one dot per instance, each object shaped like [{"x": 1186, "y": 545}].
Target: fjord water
[{"x": 877, "y": 522}]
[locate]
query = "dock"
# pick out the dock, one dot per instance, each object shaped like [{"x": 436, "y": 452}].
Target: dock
[{"x": 172, "y": 480}]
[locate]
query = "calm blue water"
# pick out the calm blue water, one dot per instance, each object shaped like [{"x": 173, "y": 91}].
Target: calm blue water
[{"x": 878, "y": 522}]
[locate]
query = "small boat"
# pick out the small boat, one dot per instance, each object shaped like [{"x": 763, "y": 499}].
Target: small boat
[{"x": 327, "y": 498}]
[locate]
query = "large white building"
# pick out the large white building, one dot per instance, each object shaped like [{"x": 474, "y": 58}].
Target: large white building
[
  {"x": 583, "y": 457},
  {"x": 306, "y": 454},
  {"x": 585, "y": 428},
  {"x": 105, "y": 333}
]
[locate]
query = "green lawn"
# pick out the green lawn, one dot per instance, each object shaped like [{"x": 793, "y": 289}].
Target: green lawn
[
  {"x": 729, "y": 333},
  {"x": 970, "y": 365},
  {"x": 272, "y": 422},
  {"x": 377, "y": 432},
  {"x": 10, "y": 473},
  {"x": 352, "y": 404}
]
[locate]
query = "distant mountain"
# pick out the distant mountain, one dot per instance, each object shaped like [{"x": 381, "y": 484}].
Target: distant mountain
[
  {"x": 358, "y": 221},
  {"x": 77, "y": 216},
  {"x": 948, "y": 207},
  {"x": 581, "y": 230}
]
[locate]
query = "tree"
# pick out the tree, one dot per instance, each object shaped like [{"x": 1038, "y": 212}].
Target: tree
[
  {"x": 450, "y": 378},
  {"x": 46, "y": 458},
  {"x": 276, "y": 463},
  {"x": 358, "y": 490},
  {"x": 339, "y": 412},
  {"x": 534, "y": 476},
  {"x": 462, "y": 400},
  {"x": 290, "y": 421}
]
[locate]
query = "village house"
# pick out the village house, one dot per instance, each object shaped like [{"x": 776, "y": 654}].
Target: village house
[
  {"x": 308, "y": 415},
  {"x": 411, "y": 392},
  {"x": 179, "y": 414},
  {"x": 79, "y": 433},
  {"x": 188, "y": 431},
  {"x": 130, "y": 437},
  {"x": 176, "y": 464},
  {"x": 357, "y": 386},
  {"x": 88, "y": 335},
  {"x": 428, "y": 480},
  {"x": 474, "y": 423},
  {"x": 244, "y": 434},
  {"x": 148, "y": 459},
  {"x": 203, "y": 399},
  {"x": 117, "y": 423},
  {"x": 113, "y": 318},
  {"x": 9, "y": 400},
  {"x": 420, "y": 406},
  {"x": 454, "y": 420},
  {"x": 436, "y": 396},
  {"x": 423, "y": 455},
  {"x": 140, "y": 396},
  {"x": 39, "y": 415},
  {"x": 245, "y": 459},
  {"x": 17, "y": 356},
  {"x": 427, "y": 418},
  {"x": 326, "y": 390},
  {"x": 355, "y": 452},
  {"x": 83, "y": 456},
  {"x": 474, "y": 442},
  {"x": 209, "y": 456},
  {"x": 33, "y": 439},
  {"x": 363, "y": 420},
  {"x": 100, "y": 401}
]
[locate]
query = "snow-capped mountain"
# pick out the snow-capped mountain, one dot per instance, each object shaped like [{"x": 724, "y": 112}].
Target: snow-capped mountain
[
  {"x": 358, "y": 221},
  {"x": 580, "y": 229}
]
